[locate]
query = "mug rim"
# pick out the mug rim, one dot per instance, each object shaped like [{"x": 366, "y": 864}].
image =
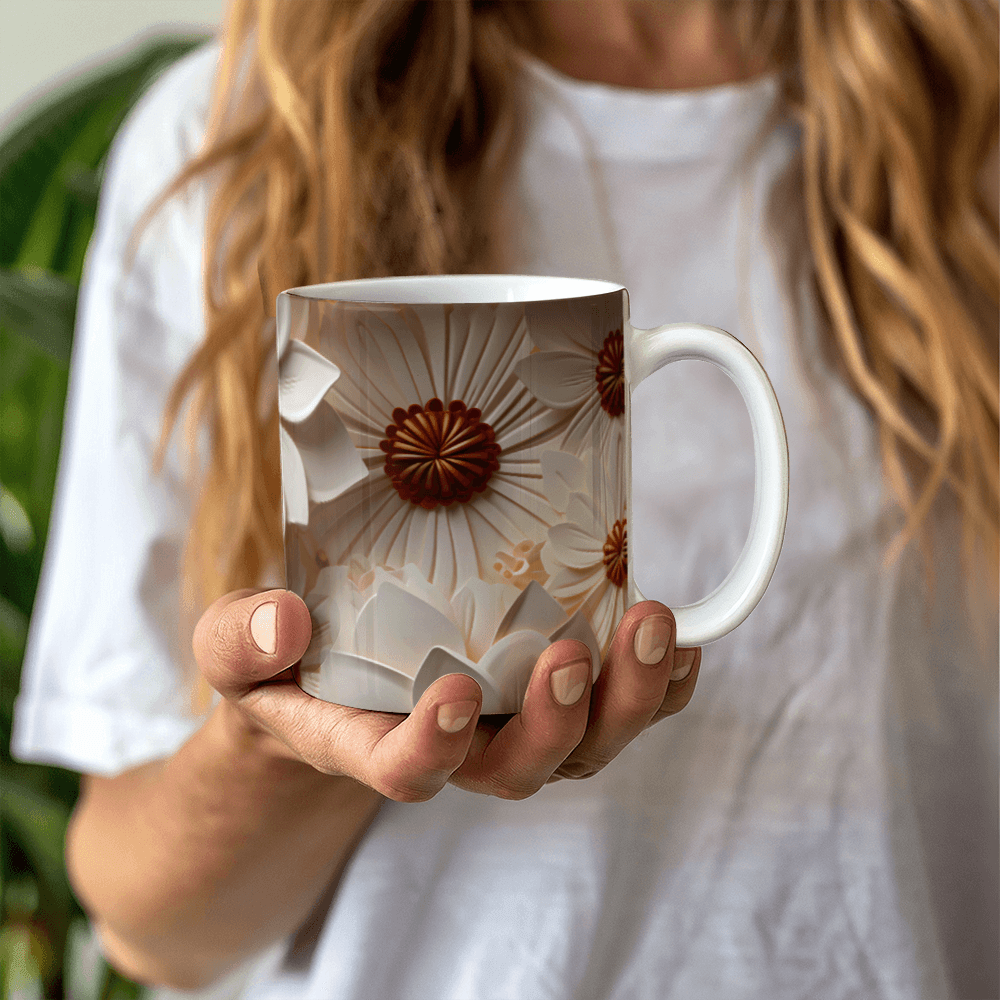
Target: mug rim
[{"x": 456, "y": 289}]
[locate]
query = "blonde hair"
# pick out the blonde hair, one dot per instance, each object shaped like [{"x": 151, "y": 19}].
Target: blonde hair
[{"x": 367, "y": 138}]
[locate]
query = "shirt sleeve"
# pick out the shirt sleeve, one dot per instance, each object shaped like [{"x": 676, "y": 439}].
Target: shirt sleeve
[{"x": 104, "y": 686}]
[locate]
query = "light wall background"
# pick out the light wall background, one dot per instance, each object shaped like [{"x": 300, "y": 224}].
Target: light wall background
[{"x": 44, "y": 42}]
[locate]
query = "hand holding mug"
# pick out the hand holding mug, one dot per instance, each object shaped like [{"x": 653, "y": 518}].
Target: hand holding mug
[
  {"x": 569, "y": 726},
  {"x": 456, "y": 472}
]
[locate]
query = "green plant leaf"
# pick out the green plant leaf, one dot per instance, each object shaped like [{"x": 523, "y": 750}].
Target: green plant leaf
[
  {"x": 20, "y": 968},
  {"x": 15, "y": 525},
  {"x": 41, "y": 240},
  {"x": 83, "y": 183},
  {"x": 37, "y": 824},
  {"x": 32, "y": 149},
  {"x": 40, "y": 307},
  {"x": 13, "y": 631},
  {"x": 51, "y": 161}
]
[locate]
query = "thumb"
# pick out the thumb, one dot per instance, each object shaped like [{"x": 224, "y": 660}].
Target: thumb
[{"x": 246, "y": 637}]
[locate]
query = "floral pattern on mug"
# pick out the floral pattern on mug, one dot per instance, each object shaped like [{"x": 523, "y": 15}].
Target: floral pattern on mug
[
  {"x": 383, "y": 637},
  {"x": 578, "y": 365},
  {"x": 586, "y": 554},
  {"x": 521, "y": 564},
  {"x": 490, "y": 520},
  {"x": 450, "y": 437},
  {"x": 318, "y": 460}
]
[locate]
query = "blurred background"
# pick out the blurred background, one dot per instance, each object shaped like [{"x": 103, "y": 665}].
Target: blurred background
[{"x": 70, "y": 70}]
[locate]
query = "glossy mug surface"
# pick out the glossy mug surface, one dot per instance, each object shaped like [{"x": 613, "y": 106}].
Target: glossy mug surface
[{"x": 456, "y": 478}]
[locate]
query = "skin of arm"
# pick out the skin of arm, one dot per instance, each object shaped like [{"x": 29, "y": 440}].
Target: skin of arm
[{"x": 230, "y": 842}]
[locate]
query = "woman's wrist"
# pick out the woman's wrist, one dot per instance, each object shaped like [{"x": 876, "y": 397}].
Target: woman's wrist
[{"x": 232, "y": 808}]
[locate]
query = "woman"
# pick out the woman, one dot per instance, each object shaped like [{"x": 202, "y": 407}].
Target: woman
[{"x": 822, "y": 821}]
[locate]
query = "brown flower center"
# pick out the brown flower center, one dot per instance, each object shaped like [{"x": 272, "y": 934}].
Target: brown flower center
[
  {"x": 616, "y": 554},
  {"x": 611, "y": 373},
  {"x": 438, "y": 456}
]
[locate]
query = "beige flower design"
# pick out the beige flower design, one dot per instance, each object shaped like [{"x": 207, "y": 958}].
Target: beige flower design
[
  {"x": 575, "y": 369},
  {"x": 318, "y": 460},
  {"x": 450, "y": 437},
  {"x": 381, "y": 638},
  {"x": 586, "y": 554}
]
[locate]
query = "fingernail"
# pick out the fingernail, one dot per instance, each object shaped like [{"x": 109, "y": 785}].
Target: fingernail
[
  {"x": 455, "y": 717},
  {"x": 569, "y": 682},
  {"x": 264, "y": 627},
  {"x": 651, "y": 639},
  {"x": 683, "y": 662}
]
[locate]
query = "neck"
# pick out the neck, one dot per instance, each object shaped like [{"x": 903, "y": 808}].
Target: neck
[{"x": 645, "y": 44}]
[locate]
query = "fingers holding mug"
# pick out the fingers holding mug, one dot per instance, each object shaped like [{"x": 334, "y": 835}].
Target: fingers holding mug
[
  {"x": 635, "y": 687},
  {"x": 683, "y": 678},
  {"x": 245, "y": 644},
  {"x": 238, "y": 642}
]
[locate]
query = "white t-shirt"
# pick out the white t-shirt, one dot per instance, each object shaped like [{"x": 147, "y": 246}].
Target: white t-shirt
[{"x": 819, "y": 823}]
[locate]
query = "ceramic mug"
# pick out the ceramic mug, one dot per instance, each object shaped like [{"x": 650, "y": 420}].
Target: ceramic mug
[{"x": 456, "y": 477}]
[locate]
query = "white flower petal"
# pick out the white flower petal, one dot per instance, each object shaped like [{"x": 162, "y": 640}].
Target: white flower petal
[
  {"x": 613, "y": 455},
  {"x": 411, "y": 579},
  {"x": 319, "y": 642},
  {"x": 330, "y": 461},
  {"x": 570, "y": 586},
  {"x": 585, "y": 512},
  {"x": 520, "y": 421},
  {"x": 574, "y": 547},
  {"x": 325, "y": 615},
  {"x": 589, "y": 427},
  {"x": 508, "y": 665},
  {"x": 292, "y": 320},
  {"x": 562, "y": 325},
  {"x": 450, "y": 548},
  {"x": 558, "y": 378},
  {"x": 579, "y": 628},
  {"x": 506, "y": 514},
  {"x": 346, "y": 679},
  {"x": 487, "y": 339},
  {"x": 343, "y": 596},
  {"x": 328, "y": 581},
  {"x": 604, "y": 609},
  {"x": 372, "y": 521},
  {"x": 294, "y": 488},
  {"x": 397, "y": 628},
  {"x": 478, "y": 609},
  {"x": 534, "y": 609},
  {"x": 562, "y": 474},
  {"x": 394, "y": 348},
  {"x": 282, "y": 331},
  {"x": 304, "y": 378},
  {"x": 440, "y": 662}
]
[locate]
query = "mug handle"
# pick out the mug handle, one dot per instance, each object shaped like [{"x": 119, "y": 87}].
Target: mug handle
[{"x": 730, "y": 603}]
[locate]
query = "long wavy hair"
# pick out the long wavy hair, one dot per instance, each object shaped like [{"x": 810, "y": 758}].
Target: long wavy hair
[{"x": 371, "y": 138}]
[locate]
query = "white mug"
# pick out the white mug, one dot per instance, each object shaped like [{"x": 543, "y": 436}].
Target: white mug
[{"x": 456, "y": 477}]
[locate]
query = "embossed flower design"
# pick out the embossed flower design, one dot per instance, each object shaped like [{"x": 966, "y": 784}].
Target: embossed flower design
[
  {"x": 318, "y": 459},
  {"x": 381, "y": 638},
  {"x": 449, "y": 435},
  {"x": 575, "y": 369},
  {"x": 586, "y": 554},
  {"x": 522, "y": 564}
]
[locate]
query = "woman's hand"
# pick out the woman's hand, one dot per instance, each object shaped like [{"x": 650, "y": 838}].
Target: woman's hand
[{"x": 246, "y": 643}]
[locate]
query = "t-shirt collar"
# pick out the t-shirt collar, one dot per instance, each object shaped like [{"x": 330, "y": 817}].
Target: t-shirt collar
[{"x": 622, "y": 123}]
